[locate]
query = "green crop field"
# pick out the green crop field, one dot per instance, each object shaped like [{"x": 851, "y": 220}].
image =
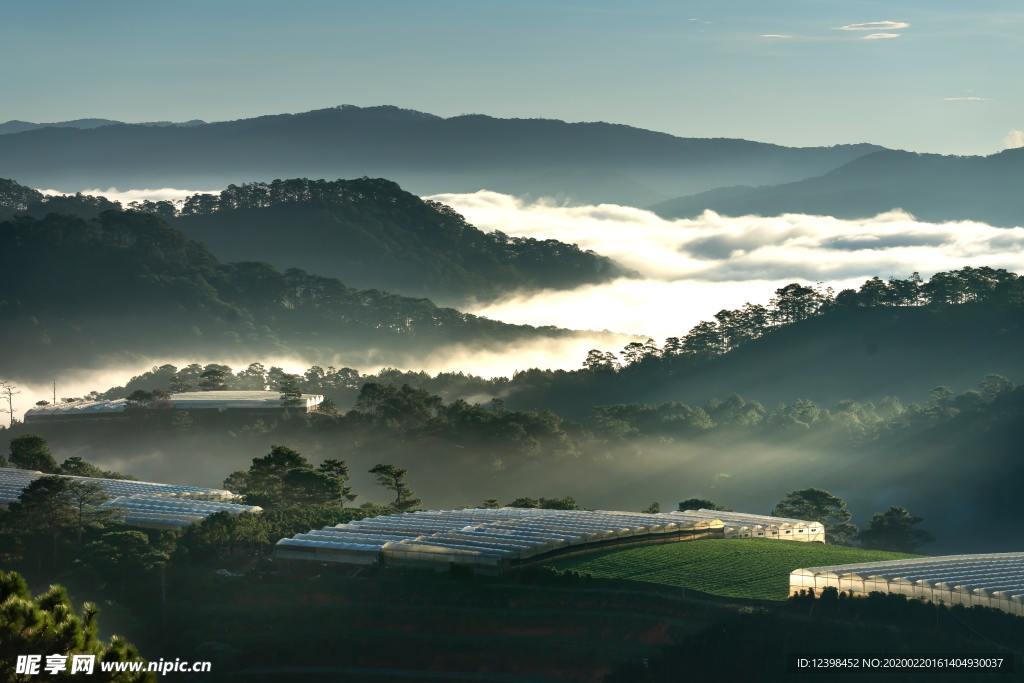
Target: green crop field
[{"x": 738, "y": 568}]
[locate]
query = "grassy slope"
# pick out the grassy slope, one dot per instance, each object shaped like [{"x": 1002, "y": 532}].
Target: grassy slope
[{"x": 738, "y": 568}]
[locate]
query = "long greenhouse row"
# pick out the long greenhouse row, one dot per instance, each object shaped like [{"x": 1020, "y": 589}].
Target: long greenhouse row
[
  {"x": 496, "y": 538},
  {"x": 994, "y": 580},
  {"x": 139, "y": 503},
  {"x": 746, "y": 525}
]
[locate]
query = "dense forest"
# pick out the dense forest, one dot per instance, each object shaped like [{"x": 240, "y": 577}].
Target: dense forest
[
  {"x": 81, "y": 292},
  {"x": 735, "y": 451},
  {"x": 368, "y": 233},
  {"x": 895, "y": 338}
]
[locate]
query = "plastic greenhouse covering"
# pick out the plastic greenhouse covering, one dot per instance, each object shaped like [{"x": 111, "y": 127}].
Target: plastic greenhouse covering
[
  {"x": 745, "y": 525},
  {"x": 140, "y": 503},
  {"x": 992, "y": 580},
  {"x": 192, "y": 400},
  {"x": 495, "y": 538}
]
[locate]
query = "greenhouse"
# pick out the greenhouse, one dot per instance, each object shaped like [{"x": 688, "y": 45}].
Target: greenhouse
[
  {"x": 220, "y": 401},
  {"x": 994, "y": 580},
  {"x": 744, "y": 525},
  {"x": 139, "y": 503},
  {"x": 490, "y": 539}
]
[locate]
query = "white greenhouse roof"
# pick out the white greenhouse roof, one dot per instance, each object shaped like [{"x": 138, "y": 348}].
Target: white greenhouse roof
[
  {"x": 190, "y": 400},
  {"x": 140, "y": 503},
  {"x": 990, "y": 580},
  {"x": 493, "y": 537},
  {"x": 248, "y": 400},
  {"x": 744, "y": 518},
  {"x": 76, "y": 408}
]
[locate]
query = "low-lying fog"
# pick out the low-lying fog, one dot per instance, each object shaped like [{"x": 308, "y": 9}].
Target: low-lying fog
[
  {"x": 691, "y": 269},
  {"x": 495, "y": 361},
  {"x": 687, "y": 270}
]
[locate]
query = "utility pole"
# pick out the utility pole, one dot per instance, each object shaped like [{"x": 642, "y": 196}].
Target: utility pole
[{"x": 9, "y": 391}]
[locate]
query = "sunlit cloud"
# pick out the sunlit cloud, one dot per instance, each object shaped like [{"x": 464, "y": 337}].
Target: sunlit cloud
[
  {"x": 966, "y": 98},
  {"x": 691, "y": 268},
  {"x": 875, "y": 26},
  {"x": 780, "y": 36},
  {"x": 687, "y": 270},
  {"x": 1014, "y": 139},
  {"x": 881, "y": 36},
  {"x": 159, "y": 194}
]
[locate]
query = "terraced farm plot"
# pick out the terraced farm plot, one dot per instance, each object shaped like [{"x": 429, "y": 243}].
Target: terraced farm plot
[{"x": 737, "y": 568}]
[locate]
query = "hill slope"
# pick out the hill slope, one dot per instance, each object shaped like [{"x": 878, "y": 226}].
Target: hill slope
[
  {"x": 79, "y": 293},
  {"x": 857, "y": 354},
  {"x": 425, "y": 153},
  {"x": 371, "y": 233},
  {"x": 735, "y": 568},
  {"x": 932, "y": 187},
  {"x": 367, "y": 232}
]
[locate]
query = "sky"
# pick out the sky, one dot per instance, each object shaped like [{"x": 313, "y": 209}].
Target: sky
[{"x": 926, "y": 75}]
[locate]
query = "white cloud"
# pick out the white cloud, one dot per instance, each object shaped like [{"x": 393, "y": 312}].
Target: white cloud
[
  {"x": 691, "y": 268},
  {"x": 127, "y": 196},
  {"x": 881, "y": 36},
  {"x": 966, "y": 98},
  {"x": 875, "y": 26},
  {"x": 776, "y": 35},
  {"x": 1014, "y": 139}
]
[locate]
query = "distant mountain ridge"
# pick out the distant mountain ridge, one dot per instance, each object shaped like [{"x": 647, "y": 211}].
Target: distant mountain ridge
[
  {"x": 585, "y": 162},
  {"x": 16, "y": 126},
  {"x": 930, "y": 186}
]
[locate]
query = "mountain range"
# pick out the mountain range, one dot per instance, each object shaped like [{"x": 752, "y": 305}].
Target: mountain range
[
  {"x": 929, "y": 186},
  {"x": 426, "y": 154},
  {"x": 15, "y": 126}
]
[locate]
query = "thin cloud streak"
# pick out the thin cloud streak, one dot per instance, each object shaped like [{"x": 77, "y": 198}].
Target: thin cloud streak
[
  {"x": 881, "y": 36},
  {"x": 875, "y": 26}
]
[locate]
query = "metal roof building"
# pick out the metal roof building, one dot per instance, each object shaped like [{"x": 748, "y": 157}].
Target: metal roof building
[
  {"x": 993, "y": 580},
  {"x": 140, "y": 503},
  {"x": 222, "y": 401}
]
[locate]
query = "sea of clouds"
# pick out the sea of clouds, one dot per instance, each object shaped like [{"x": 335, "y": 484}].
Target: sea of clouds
[
  {"x": 689, "y": 269},
  {"x": 686, "y": 270}
]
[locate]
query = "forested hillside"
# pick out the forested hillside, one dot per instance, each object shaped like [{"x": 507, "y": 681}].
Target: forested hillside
[
  {"x": 736, "y": 451},
  {"x": 369, "y": 233},
  {"x": 78, "y": 293},
  {"x": 427, "y": 154},
  {"x": 898, "y": 338}
]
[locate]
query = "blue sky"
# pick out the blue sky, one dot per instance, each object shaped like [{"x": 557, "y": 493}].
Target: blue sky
[{"x": 939, "y": 76}]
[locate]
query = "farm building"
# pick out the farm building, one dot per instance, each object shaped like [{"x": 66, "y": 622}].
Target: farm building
[
  {"x": 995, "y": 580},
  {"x": 259, "y": 402},
  {"x": 489, "y": 539},
  {"x": 744, "y": 525},
  {"x": 140, "y": 503}
]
